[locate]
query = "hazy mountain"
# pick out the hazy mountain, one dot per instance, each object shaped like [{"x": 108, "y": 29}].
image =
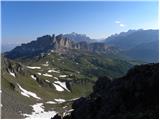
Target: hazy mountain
[
  {"x": 137, "y": 44},
  {"x": 132, "y": 38},
  {"x": 58, "y": 43},
  {"x": 7, "y": 47},
  {"x": 78, "y": 37},
  {"x": 148, "y": 52}
]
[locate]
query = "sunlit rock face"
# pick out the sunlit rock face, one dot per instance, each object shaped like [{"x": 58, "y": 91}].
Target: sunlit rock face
[{"x": 58, "y": 43}]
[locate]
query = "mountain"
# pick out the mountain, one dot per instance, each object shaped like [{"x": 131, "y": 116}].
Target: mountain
[
  {"x": 137, "y": 44},
  {"x": 133, "y": 96},
  {"x": 149, "y": 51},
  {"x": 58, "y": 43},
  {"x": 132, "y": 38},
  {"x": 53, "y": 80},
  {"x": 45, "y": 76},
  {"x": 78, "y": 37}
]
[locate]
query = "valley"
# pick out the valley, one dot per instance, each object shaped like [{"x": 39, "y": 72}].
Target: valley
[{"x": 44, "y": 77}]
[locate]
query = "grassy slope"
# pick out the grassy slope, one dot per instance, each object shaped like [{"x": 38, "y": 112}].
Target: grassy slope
[{"x": 82, "y": 69}]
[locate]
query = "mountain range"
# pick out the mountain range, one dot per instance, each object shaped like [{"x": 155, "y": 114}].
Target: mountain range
[
  {"x": 51, "y": 72},
  {"x": 141, "y": 45},
  {"x": 137, "y": 44}
]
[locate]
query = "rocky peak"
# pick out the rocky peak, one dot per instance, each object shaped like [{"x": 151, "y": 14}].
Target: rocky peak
[
  {"x": 57, "y": 43},
  {"x": 63, "y": 42}
]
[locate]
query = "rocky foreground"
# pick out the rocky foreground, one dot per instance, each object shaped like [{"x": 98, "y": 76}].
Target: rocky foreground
[{"x": 136, "y": 95}]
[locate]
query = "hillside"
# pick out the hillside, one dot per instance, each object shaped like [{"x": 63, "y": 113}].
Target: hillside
[
  {"x": 134, "y": 96},
  {"x": 53, "y": 76}
]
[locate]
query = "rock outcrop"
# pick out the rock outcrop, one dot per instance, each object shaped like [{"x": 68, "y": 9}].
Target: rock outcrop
[
  {"x": 58, "y": 43},
  {"x": 136, "y": 95}
]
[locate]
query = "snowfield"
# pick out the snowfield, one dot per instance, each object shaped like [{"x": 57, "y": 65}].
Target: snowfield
[
  {"x": 33, "y": 67},
  {"x": 39, "y": 112},
  {"x": 28, "y": 93},
  {"x": 47, "y": 75}
]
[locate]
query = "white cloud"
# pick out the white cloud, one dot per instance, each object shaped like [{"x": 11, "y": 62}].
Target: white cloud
[
  {"x": 121, "y": 25},
  {"x": 117, "y": 22}
]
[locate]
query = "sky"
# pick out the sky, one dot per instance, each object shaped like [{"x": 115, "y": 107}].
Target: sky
[{"x": 25, "y": 21}]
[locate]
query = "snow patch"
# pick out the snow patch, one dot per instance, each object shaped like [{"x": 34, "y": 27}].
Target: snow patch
[
  {"x": 11, "y": 73},
  {"x": 67, "y": 112},
  {"x": 27, "y": 93},
  {"x": 56, "y": 78},
  {"x": 60, "y": 100},
  {"x": 58, "y": 88},
  {"x": 62, "y": 84},
  {"x": 53, "y": 71},
  {"x": 39, "y": 73},
  {"x": 39, "y": 112},
  {"x": 48, "y": 75},
  {"x": 46, "y": 64},
  {"x": 33, "y": 67},
  {"x": 62, "y": 76},
  {"x": 51, "y": 102},
  {"x": 47, "y": 81},
  {"x": 32, "y": 76}
]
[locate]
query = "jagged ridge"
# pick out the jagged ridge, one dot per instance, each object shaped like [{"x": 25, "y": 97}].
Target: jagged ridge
[{"x": 58, "y": 43}]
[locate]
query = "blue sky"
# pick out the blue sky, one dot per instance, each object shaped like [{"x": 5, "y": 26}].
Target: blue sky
[{"x": 25, "y": 21}]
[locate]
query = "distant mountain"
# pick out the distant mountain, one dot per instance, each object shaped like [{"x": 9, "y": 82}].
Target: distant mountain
[
  {"x": 134, "y": 96},
  {"x": 132, "y": 38},
  {"x": 148, "y": 52},
  {"x": 137, "y": 44},
  {"x": 141, "y": 45},
  {"x": 7, "y": 47},
  {"x": 58, "y": 43},
  {"x": 78, "y": 37}
]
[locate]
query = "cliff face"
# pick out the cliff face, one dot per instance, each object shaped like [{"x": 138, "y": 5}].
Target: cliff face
[
  {"x": 41, "y": 45},
  {"x": 136, "y": 95},
  {"x": 58, "y": 43}
]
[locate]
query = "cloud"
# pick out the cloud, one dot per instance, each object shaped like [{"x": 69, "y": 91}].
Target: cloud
[{"x": 119, "y": 23}]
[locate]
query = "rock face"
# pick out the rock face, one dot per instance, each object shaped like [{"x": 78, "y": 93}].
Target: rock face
[
  {"x": 78, "y": 37},
  {"x": 136, "y": 95},
  {"x": 42, "y": 44},
  {"x": 59, "y": 43}
]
